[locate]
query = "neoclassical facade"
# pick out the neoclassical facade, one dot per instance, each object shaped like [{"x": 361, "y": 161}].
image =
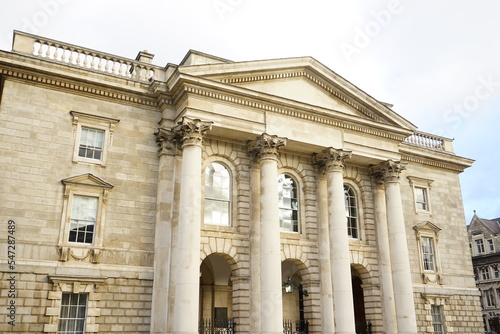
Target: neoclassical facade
[{"x": 215, "y": 196}]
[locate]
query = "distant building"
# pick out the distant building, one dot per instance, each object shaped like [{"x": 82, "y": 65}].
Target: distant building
[
  {"x": 213, "y": 196},
  {"x": 484, "y": 240}
]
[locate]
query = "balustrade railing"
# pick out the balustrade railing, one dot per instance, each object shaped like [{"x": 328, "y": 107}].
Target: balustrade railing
[
  {"x": 85, "y": 58},
  {"x": 427, "y": 140}
]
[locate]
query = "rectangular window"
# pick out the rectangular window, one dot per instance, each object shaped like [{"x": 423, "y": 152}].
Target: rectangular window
[
  {"x": 496, "y": 274},
  {"x": 421, "y": 198},
  {"x": 489, "y": 298},
  {"x": 437, "y": 319},
  {"x": 491, "y": 245},
  {"x": 485, "y": 273},
  {"x": 480, "y": 246},
  {"x": 83, "y": 219},
  {"x": 91, "y": 143},
  {"x": 73, "y": 313},
  {"x": 428, "y": 254}
]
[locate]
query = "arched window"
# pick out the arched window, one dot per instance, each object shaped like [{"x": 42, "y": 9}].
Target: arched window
[
  {"x": 288, "y": 203},
  {"x": 351, "y": 212},
  {"x": 217, "y": 195}
]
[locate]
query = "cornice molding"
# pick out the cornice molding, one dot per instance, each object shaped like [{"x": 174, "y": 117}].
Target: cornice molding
[
  {"x": 304, "y": 115},
  {"x": 304, "y": 73},
  {"x": 433, "y": 163},
  {"x": 80, "y": 87}
]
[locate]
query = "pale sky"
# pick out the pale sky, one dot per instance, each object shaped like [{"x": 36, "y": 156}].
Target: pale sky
[{"x": 437, "y": 62}]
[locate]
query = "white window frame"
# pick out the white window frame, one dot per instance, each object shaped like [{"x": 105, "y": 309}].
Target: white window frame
[
  {"x": 425, "y": 185},
  {"x": 234, "y": 193},
  {"x": 438, "y": 319},
  {"x": 491, "y": 245},
  {"x": 489, "y": 298},
  {"x": 66, "y": 308},
  {"x": 298, "y": 204},
  {"x": 431, "y": 231},
  {"x": 74, "y": 285},
  {"x": 105, "y": 124},
  {"x": 87, "y": 185},
  {"x": 428, "y": 242},
  {"x": 484, "y": 273},
  {"x": 358, "y": 211},
  {"x": 479, "y": 246},
  {"x": 229, "y": 201},
  {"x": 438, "y": 301}
]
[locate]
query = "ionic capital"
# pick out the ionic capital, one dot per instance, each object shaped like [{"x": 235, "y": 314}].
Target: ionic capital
[
  {"x": 388, "y": 171},
  {"x": 331, "y": 160},
  {"x": 167, "y": 142},
  {"x": 191, "y": 131},
  {"x": 266, "y": 146}
]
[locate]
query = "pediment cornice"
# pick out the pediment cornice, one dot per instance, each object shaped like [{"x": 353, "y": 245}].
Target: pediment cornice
[
  {"x": 268, "y": 103},
  {"x": 87, "y": 179}
]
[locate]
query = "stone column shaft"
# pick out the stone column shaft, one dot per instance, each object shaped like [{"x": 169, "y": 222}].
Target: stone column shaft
[
  {"x": 339, "y": 241},
  {"x": 384, "y": 253},
  {"x": 400, "y": 261},
  {"x": 327, "y": 315},
  {"x": 266, "y": 148},
  {"x": 187, "y": 255}
]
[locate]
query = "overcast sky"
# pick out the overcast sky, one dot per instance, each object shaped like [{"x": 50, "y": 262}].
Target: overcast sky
[{"x": 436, "y": 61}]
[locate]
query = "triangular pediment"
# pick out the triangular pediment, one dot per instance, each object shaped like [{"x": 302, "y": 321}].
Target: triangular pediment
[
  {"x": 299, "y": 80},
  {"x": 87, "y": 179},
  {"x": 427, "y": 226}
]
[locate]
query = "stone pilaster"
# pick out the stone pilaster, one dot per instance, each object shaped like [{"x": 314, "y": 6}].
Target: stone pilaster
[
  {"x": 265, "y": 149},
  {"x": 389, "y": 172},
  {"x": 333, "y": 162},
  {"x": 167, "y": 144},
  {"x": 187, "y": 252}
]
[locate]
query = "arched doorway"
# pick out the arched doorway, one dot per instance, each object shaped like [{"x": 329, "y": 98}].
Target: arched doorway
[
  {"x": 216, "y": 295},
  {"x": 294, "y": 315},
  {"x": 362, "y": 327}
]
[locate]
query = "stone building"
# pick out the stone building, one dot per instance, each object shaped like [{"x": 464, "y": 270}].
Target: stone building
[
  {"x": 259, "y": 196},
  {"x": 484, "y": 241}
]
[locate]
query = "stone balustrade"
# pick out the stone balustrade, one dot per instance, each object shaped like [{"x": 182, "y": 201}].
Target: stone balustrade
[
  {"x": 427, "y": 140},
  {"x": 140, "y": 69}
]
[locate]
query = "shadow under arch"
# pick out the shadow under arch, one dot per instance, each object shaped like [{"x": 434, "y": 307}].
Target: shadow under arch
[
  {"x": 216, "y": 292},
  {"x": 361, "y": 278},
  {"x": 297, "y": 307}
]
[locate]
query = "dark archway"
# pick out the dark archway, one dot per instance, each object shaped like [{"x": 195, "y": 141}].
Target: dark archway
[{"x": 362, "y": 326}]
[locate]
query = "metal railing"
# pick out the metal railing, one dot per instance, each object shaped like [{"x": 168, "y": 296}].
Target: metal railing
[
  {"x": 216, "y": 326},
  {"x": 301, "y": 327}
]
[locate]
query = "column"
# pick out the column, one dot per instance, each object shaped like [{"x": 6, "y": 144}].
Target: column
[
  {"x": 266, "y": 150},
  {"x": 187, "y": 256},
  {"x": 333, "y": 161},
  {"x": 384, "y": 256},
  {"x": 326, "y": 292},
  {"x": 400, "y": 261},
  {"x": 163, "y": 230}
]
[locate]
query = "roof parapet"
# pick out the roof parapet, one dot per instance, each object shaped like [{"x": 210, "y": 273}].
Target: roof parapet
[{"x": 139, "y": 69}]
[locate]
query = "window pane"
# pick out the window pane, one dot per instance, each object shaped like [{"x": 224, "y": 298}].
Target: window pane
[
  {"x": 217, "y": 195},
  {"x": 91, "y": 143},
  {"x": 73, "y": 313},
  {"x": 351, "y": 211},
  {"x": 288, "y": 203},
  {"x": 421, "y": 198},
  {"x": 83, "y": 219},
  {"x": 428, "y": 253}
]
